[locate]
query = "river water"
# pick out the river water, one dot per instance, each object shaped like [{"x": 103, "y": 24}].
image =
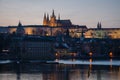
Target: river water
[{"x": 65, "y": 70}]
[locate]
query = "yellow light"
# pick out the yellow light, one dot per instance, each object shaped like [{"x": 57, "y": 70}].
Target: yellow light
[
  {"x": 111, "y": 54},
  {"x": 111, "y": 64},
  {"x": 47, "y": 34},
  {"x": 90, "y": 66},
  {"x": 56, "y": 54},
  {"x": 90, "y": 60},
  {"x": 90, "y": 53}
]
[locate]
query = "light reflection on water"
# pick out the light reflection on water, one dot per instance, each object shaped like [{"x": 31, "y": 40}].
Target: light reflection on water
[
  {"x": 38, "y": 71},
  {"x": 93, "y": 62}
]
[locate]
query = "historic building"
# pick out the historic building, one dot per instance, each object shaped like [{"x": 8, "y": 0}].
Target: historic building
[
  {"x": 50, "y": 27},
  {"x": 20, "y": 30},
  {"x": 33, "y": 47},
  {"x": 53, "y": 22},
  {"x": 54, "y": 27},
  {"x": 100, "y": 32},
  {"x": 38, "y": 48}
]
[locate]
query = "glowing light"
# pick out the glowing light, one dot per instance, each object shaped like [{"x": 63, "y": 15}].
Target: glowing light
[
  {"x": 90, "y": 67},
  {"x": 111, "y": 64},
  {"x": 111, "y": 54},
  {"x": 90, "y": 60},
  {"x": 56, "y": 60},
  {"x": 56, "y": 54},
  {"x": 90, "y": 54},
  {"x": 47, "y": 34}
]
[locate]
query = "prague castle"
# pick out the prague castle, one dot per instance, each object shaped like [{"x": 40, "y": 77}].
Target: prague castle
[
  {"x": 50, "y": 27},
  {"x": 53, "y": 26},
  {"x": 53, "y": 22}
]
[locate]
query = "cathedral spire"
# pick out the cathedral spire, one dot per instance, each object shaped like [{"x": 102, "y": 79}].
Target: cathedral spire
[
  {"x": 45, "y": 20},
  {"x": 44, "y": 16},
  {"x": 47, "y": 17},
  {"x": 53, "y": 14},
  {"x": 99, "y": 25},
  {"x": 59, "y": 17}
]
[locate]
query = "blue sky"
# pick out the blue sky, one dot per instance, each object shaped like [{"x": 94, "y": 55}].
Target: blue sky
[{"x": 80, "y": 12}]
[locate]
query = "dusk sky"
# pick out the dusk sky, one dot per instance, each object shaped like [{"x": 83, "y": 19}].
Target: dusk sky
[{"x": 80, "y": 12}]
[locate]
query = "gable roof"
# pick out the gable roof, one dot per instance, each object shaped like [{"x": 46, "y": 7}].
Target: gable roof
[{"x": 64, "y": 22}]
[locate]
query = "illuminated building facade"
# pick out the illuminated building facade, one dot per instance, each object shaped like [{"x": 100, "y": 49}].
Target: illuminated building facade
[
  {"x": 100, "y": 32},
  {"x": 53, "y": 27},
  {"x": 53, "y": 22}
]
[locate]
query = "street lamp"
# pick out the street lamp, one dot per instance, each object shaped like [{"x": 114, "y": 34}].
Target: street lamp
[
  {"x": 111, "y": 54},
  {"x": 90, "y": 54}
]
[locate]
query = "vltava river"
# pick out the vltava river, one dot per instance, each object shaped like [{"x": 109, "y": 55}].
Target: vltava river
[{"x": 66, "y": 70}]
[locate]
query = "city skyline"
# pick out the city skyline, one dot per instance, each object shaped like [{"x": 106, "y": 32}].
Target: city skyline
[{"x": 80, "y": 12}]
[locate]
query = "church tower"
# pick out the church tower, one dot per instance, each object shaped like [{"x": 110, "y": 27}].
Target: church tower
[
  {"x": 59, "y": 17},
  {"x": 99, "y": 25},
  {"x": 53, "y": 20},
  {"x": 20, "y": 30},
  {"x": 45, "y": 20}
]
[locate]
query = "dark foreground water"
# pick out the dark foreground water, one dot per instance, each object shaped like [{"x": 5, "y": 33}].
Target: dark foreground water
[{"x": 66, "y": 70}]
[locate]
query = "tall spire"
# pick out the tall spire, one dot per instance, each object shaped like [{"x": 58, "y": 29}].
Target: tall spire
[
  {"x": 53, "y": 14},
  {"x": 99, "y": 25},
  {"x": 19, "y": 24},
  {"x": 47, "y": 17},
  {"x": 45, "y": 20},
  {"x": 59, "y": 17},
  {"x": 44, "y": 16}
]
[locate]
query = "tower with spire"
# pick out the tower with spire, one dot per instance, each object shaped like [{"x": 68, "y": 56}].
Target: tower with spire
[
  {"x": 20, "y": 30},
  {"x": 45, "y": 20},
  {"x": 53, "y": 22},
  {"x": 59, "y": 17},
  {"x": 99, "y": 26}
]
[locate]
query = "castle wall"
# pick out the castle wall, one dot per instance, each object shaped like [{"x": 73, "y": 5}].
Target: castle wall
[{"x": 103, "y": 33}]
